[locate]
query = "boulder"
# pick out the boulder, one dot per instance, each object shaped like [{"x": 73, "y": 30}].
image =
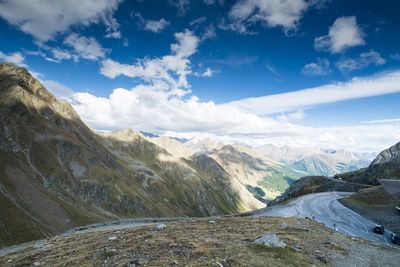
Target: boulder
[{"x": 270, "y": 240}]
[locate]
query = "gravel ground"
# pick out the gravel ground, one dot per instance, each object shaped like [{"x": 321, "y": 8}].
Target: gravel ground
[{"x": 205, "y": 242}]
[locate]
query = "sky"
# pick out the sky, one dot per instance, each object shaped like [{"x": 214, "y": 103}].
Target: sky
[{"x": 288, "y": 72}]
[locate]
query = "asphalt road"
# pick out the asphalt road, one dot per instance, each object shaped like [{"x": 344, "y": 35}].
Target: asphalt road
[{"x": 325, "y": 208}]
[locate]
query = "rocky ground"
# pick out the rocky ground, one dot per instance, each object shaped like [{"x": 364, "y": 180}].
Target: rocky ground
[{"x": 209, "y": 242}]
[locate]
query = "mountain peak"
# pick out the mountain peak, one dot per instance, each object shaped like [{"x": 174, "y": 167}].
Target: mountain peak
[
  {"x": 390, "y": 154},
  {"x": 17, "y": 85}
]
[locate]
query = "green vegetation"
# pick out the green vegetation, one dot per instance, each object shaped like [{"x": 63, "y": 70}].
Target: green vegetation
[{"x": 279, "y": 179}]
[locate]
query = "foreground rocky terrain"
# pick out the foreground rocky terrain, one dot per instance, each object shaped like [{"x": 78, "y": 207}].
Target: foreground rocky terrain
[{"x": 209, "y": 242}]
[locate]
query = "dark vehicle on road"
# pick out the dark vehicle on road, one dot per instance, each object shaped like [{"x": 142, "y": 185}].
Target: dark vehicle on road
[
  {"x": 395, "y": 239},
  {"x": 379, "y": 229}
]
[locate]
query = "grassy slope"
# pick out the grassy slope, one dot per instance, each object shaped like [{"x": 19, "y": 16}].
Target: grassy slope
[
  {"x": 377, "y": 205},
  {"x": 228, "y": 242}
]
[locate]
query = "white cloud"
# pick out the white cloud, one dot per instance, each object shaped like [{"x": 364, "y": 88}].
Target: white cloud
[
  {"x": 60, "y": 54},
  {"x": 169, "y": 71},
  {"x": 43, "y": 19},
  {"x": 395, "y": 56},
  {"x": 294, "y": 116},
  {"x": 213, "y": 2},
  {"x": 112, "y": 25},
  {"x": 156, "y": 25},
  {"x": 59, "y": 90},
  {"x": 237, "y": 60},
  {"x": 182, "y": 6},
  {"x": 271, "y": 13},
  {"x": 381, "y": 84},
  {"x": 150, "y": 109},
  {"x": 363, "y": 61},
  {"x": 16, "y": 58},
  {"x": 209, "y": 33},
  {"x": 321, "y": 67},
  {"x": 207, "y": 73},
  {"x": 383, "y": 121},
  {"x": 343, "y": 34},
  {"x": 83, "y": 47}
]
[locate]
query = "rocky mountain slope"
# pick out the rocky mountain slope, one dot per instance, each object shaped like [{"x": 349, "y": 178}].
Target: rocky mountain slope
[
  {"x": 265, "y": 178},
  {"x": 56, "y": 173},
  {"x": 264, "y": 171},
  {"x": 391, "y": 154}
]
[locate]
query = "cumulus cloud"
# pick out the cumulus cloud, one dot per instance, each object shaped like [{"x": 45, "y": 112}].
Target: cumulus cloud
[
  {"x": 363, "y": 61},
  {"x": 380, "y": 84},
  {"x": 43, "y": 19},
  {"x": 83, "y": 47},
  {"x": 343, "y": 34},
  {"x": 272, "y": 13},
  {"x": 169, "y": 71},
  {"x": 16, "y": 58},
  {"x": 207, "y": 73},
  {"x": 156, "y": 25},
  {"x": 321, "y": 67},
  {"x": 58, "y": 54}
]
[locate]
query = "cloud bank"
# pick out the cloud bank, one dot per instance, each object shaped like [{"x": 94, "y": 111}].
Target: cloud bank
[{"x": 43, "y": 19}]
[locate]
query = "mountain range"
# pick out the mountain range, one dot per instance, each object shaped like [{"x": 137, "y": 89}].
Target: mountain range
[{"x": 57, "y": 173}]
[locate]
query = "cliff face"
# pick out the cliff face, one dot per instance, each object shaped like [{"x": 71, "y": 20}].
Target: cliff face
[{"x": 55, "y": 173}]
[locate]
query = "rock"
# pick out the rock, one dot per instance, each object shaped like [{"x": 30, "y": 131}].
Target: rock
[
  {"x": 41, "y": 245},
  {"x": 297, "y": 246},
  {"x": 36, "y": 263},
  {"x": 212, "y": 222},
  {"x": 133, "y": 263},
  {"x": 112, "y": 238},
  {"x": 322, "y": 259},
  {"x": 161, "y": 227},
  {"x": 270, "y": 240}
]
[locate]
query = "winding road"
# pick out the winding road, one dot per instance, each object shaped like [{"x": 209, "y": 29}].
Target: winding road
[{"x": 325, "y": 208}]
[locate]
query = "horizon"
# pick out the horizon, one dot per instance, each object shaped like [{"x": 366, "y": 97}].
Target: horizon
[{"x": 236, "y": 71}]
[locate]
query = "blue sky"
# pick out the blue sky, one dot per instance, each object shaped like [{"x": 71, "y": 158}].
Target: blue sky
[{"x": 188, "y": 68}]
